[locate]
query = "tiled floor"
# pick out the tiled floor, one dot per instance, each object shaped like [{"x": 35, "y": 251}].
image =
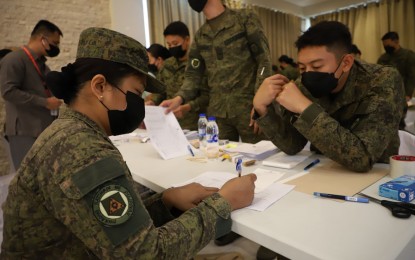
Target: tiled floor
[{"x": 242, "y": 245}]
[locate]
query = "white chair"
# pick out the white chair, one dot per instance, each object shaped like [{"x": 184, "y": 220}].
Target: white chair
[{"x": 407, "y": 146}]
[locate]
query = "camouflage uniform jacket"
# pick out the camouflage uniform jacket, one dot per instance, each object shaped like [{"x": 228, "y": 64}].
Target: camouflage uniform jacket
[
  {"x": 172, "y": 75},
  {"x": 233, "y": 57},
  {"x": 74, "y": 198},
  {"x": 404, "y": 61},
  {"x": 290, "y": 72},
  {"x": 356, "y": 128}
]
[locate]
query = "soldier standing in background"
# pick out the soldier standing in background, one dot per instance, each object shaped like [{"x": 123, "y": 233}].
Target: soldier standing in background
[
  {"x": 4, "y": 146},
  {"x": 177, "y": 37},
  {"x": 232, "y": 51},
  {"x": 404, "y": 61},
  {"x": 288, "y": 67}
]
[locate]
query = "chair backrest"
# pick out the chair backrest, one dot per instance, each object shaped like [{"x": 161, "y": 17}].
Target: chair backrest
[{"x": 407, "y": 146}]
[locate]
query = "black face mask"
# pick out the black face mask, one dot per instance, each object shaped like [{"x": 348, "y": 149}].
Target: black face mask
[
  {"x": 124, "y": 122},
  {"x": 152, "y": 68},
  {"x": 197, "y": 5},
  {"x": 320, "y": 84},
  {"x": 53, "y": 50},
  {"x": 389, "y": 49},
  {"x": 177, "y": 52}
]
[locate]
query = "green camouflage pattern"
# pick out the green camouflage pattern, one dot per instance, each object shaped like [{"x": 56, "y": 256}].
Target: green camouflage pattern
[
  {"x": 4, "y": 156},
  {"x": 235, "y": 58},
  {"x": 290, "y": 72},
  {"x": 46, "y": 214},
  {"x": 356, "y": 128},
  {"x": 101, "y": 43},
  {"x": 404, "y": 61},
  {"x": 172, "y": 75}
]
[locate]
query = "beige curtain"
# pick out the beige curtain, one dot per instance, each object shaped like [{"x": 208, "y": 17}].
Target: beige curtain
[
  {"x": 368, "y": 23},
  {"x": 163, "y": 12},
  {"x": 282, "y": 30}
]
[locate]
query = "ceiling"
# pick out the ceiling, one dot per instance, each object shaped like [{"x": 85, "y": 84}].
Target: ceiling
[{"x": 306, "y": 8}]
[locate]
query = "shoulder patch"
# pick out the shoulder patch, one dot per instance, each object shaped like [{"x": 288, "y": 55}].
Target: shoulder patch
[
  {"x": 195, "y": 63},
  {"x": 112, "y": 205}
]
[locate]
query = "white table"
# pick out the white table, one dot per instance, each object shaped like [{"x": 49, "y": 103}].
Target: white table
[{"x": 298, "y": 226}]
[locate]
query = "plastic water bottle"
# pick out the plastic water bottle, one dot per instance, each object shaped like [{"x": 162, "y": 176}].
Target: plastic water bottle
[
  {"x": 212, "y": 138},
  {"x": 201, "y": 129}
]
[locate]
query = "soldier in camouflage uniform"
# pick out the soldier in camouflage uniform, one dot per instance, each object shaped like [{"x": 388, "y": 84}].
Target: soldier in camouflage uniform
[
  {"x": 402, "y": 59},
  {"x": 4, "y": 149},
  {"x": 288, "y": 67},
  {"x": 73, "y": 196},
  {"x": 348, "y": 110},
  {"x": 172, "y": 75},
  {"x": 232, "y": 51}
]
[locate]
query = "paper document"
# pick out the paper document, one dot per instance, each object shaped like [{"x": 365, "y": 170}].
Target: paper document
[
  {"x": 283, "y": 160},
  {"x": 265, "y": 178},
  {"x": 267, "y": 197},
  {"x": 258, "y": 151},
  {"x": 165, "y": 133},
  {"x": 262, "y": 199}
]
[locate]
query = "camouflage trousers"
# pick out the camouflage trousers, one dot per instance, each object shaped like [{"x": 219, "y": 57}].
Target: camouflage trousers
[
  {"x": 5, "y": 160},
  {"x": 233, "y": 128}
]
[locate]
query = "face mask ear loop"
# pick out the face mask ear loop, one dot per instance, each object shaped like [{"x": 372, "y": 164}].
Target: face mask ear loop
[{"x": 338, "y": 66}]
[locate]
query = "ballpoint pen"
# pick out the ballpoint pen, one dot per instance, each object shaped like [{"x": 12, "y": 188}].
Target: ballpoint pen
[
  {"x": 311, "y": 164},
  {"x": 341, "y": 197},
  {"x": 239, "y": 166},
  {"x": 190, "y": 150}
]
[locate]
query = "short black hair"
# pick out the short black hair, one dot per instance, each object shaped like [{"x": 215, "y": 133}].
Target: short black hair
[
  {"x": 4, "y": 52},
  {"x": 45, "y": 27},
  {"x": 334, "y": 35},
  {"x": 355, "y": 50},
  {"x": 286, "y": 59},
  {"x": 390, "y": 35},
  {"x": 177, "y": 28},
  {"x": 158, "y": 50}
]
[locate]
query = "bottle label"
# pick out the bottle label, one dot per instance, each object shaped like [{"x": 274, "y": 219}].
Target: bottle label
[{"x": 213, "y": 138}]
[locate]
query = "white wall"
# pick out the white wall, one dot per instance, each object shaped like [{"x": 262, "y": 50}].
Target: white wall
[{"x": 130, "y": 18}]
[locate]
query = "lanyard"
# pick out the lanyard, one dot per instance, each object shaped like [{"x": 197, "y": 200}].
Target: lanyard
[{"x": 47, "y": 92}]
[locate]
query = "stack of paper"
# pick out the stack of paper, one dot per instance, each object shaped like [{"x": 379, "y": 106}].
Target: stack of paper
[
  {"x": 283, "y": 160},
  {"x": 165, "y": 133},
  {"x": 264, "y": 198},
  {"x": 258, "y": 151}
]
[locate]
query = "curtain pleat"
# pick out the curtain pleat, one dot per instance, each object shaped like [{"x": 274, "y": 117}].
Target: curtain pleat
[
  {"x": 368, "y": 23},
  {"x": 281, "y": 29}
]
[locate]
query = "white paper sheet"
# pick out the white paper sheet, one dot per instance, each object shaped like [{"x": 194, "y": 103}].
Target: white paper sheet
[
  {"x": 265, "y": 178},
  {"x": 258, "y": 151},
  {"x": 262, "y": 200},
  {"x": 283, "y": 160},
  {"x": 165, "y": 133},
  {"x": 269, "y": 196}
]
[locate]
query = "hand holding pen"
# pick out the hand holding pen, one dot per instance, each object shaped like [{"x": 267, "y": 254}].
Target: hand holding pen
[{"x": 239, "y": 167}]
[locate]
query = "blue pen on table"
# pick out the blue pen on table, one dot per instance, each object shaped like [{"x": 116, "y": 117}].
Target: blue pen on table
[
  {"x": 190, "y": 150},
  {"x": 341, "y": 197},
  {"x": 311, "y": 164},
  {"x": 239, "y": 167}
]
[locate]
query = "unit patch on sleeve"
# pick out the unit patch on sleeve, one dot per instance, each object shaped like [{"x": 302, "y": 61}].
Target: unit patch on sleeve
[
  {"x": 113, "y": 205},
  {"x": 195, "y": 63}
]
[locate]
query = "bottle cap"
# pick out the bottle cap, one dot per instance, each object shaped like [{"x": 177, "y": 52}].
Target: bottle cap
[{"x": 211, "y": 118}]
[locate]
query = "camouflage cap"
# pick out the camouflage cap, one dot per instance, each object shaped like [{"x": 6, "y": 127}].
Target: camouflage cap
[{"x": 110, "y": 45}]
